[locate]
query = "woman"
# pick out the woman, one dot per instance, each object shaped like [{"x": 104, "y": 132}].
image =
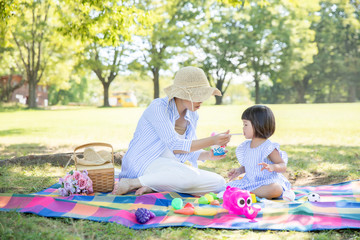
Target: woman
[{"x": 165, "y": 138}]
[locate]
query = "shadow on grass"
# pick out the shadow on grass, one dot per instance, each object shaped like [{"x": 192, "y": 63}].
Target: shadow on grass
[
  {"x": 14, "y": 131},
  {"x": 19, "y": 131},
  {"x": 320, "y": 164},
  {"x": 23, "y": 149},
  {"x": 29, "y": 179}
]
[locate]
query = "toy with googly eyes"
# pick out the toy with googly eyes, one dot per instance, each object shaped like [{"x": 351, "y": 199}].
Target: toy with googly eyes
[{"x": 239, "y": 202}]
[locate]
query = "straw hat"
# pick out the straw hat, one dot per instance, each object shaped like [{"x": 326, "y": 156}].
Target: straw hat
[
  {"x": 191, "y": 84},
  {"x": 91, "y": 157}
]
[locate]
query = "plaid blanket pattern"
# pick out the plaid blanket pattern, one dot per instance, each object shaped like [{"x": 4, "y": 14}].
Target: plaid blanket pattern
[{"x": 339, "y": 209}]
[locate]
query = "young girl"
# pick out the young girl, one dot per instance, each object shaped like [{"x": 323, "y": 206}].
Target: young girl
[{"x": 261, "y": 160}]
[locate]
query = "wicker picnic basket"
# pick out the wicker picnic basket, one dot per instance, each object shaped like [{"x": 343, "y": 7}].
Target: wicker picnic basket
[{"x": 100, "y": 172}]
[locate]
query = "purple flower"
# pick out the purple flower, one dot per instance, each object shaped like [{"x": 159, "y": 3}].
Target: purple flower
[
  {"x": 85, "y": 172},
  {"x": 72, "y": 189},
  {"x": 62, "y": 192},
  {"x": 67, "y": 185},
  {"x": 61, "y": 181}
]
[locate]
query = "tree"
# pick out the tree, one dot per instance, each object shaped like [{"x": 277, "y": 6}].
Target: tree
[
  {"x": 300, "y": 46},
  {"x": 31, "y": 34},
  {"x": 337, "y": 63},
  {"x": 102, "y": 26},
  {"x": 220, "y": 44},
  {"x": 262, "y": 42},
  {"x": 171, "y": 32}
]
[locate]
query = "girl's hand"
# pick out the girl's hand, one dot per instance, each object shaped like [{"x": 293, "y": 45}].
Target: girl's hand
[
  {"x": 266, "y": 166},
  {"x": 234, "y": 173}
]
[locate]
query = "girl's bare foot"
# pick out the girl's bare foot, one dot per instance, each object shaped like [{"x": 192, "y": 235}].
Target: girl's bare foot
[
  {"x": 143, "y": 190},
  {"x": 126, "y": 185}
]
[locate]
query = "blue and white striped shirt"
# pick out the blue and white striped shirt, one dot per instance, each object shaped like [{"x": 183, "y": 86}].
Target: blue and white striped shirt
[
  {"x": 250, "y": 159},
  {"x": 156, "y": 131}
]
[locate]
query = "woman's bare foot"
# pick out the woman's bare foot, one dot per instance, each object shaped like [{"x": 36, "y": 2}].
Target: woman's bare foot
[
  {"x": 143, "y": 190},
  {"x": 126, "y": 185}
]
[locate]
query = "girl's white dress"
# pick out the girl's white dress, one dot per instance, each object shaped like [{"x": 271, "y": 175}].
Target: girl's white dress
[{"x": 250, "y": 159}]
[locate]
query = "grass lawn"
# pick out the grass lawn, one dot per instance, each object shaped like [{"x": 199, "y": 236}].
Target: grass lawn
[{"x": 322, "y": 141}]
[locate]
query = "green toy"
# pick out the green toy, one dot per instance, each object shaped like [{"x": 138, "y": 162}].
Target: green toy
[
  {"x": 203, "y": 200},
  {"x": 209, "y": 197},
  {"x": 214, "y": 195},
  {"x": 177, "y": 203}
]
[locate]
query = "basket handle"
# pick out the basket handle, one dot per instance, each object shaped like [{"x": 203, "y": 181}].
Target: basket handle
[{"x": 89, "y": 145}]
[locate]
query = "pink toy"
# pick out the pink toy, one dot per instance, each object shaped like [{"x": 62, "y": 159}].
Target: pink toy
[{"x": 239, "y": 202}]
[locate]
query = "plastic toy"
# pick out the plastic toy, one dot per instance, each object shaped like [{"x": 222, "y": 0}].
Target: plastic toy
[
  {"x": 209, "y": 211},
  {"x": 143, "y": 215},
  {"x": 217, "y": 150},
  {"x": 239, "y": 202},
  {"x": 313, "y": 197},
  {"x": 214, "y": 195},
  {"x": 177, "y": 203},
  {"x": 215, "y": 202},
  {"x": 188, "y": 209},
  {"x": 209, "y": 198}
]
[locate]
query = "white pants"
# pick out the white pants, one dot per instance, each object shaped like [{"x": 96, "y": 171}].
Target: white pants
[{"x": 167, "y": 174}]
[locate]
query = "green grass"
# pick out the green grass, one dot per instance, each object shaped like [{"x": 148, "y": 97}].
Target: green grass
[{"x": 322, "y": 141}]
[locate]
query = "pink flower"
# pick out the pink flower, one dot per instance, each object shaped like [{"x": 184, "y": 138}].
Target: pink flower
[
  {"x": 77, "y": 175},
  {"x": 82, "y": 183},
  {"x": 75, "y": 182},
  {"x": 67, "y": 177}
]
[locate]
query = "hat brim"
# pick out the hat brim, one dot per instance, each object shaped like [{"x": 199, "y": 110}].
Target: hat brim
[{"x": 198, "y": 94}]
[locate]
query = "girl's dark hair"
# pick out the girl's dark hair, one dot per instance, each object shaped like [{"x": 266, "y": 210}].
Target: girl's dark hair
[{"x": 262, "y": 120}]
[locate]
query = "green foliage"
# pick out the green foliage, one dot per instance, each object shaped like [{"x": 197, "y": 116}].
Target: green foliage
[
  {"x": 338, "y": 33},
  {"x": 172, "y": 29},
  {"x": 75, "y": 93},
  {"x": 102, "y": 22}
]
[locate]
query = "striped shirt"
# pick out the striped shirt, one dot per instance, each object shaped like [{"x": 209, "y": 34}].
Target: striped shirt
[
  {"x": 250, "y": 159},
  {"x": 154, "y": 133}
]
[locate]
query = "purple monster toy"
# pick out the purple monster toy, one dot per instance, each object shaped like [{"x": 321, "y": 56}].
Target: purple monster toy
[{"x": 239, "y": 202}]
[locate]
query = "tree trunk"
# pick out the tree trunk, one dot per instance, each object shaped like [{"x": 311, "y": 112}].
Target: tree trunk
[
  {"x": 218, "y": 100},
  {"x": 351, "y": 92},
  {"x": 300, "y": 92},
  {"x": 257, "y": 88},
  {"x": 219, "y": 85},
  {"x": 32, "y": 93},
  {"x": 301, "y": 88},
  {"x": 106, "y": 93},
  {"x": 156, "y": 83}
]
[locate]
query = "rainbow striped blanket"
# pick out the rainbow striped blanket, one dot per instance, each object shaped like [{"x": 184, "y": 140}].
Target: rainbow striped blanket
[{"x": 339, "y": 208}]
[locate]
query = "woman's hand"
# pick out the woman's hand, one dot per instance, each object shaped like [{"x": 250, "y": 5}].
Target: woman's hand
[
  {"x": 209, "y": 155},
  {"x": 222, "y": 139},
  {"x": 234, "y": 173}
]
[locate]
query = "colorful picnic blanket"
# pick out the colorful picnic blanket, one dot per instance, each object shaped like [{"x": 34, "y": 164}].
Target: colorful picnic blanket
[{"x": 339, "y": 208}]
